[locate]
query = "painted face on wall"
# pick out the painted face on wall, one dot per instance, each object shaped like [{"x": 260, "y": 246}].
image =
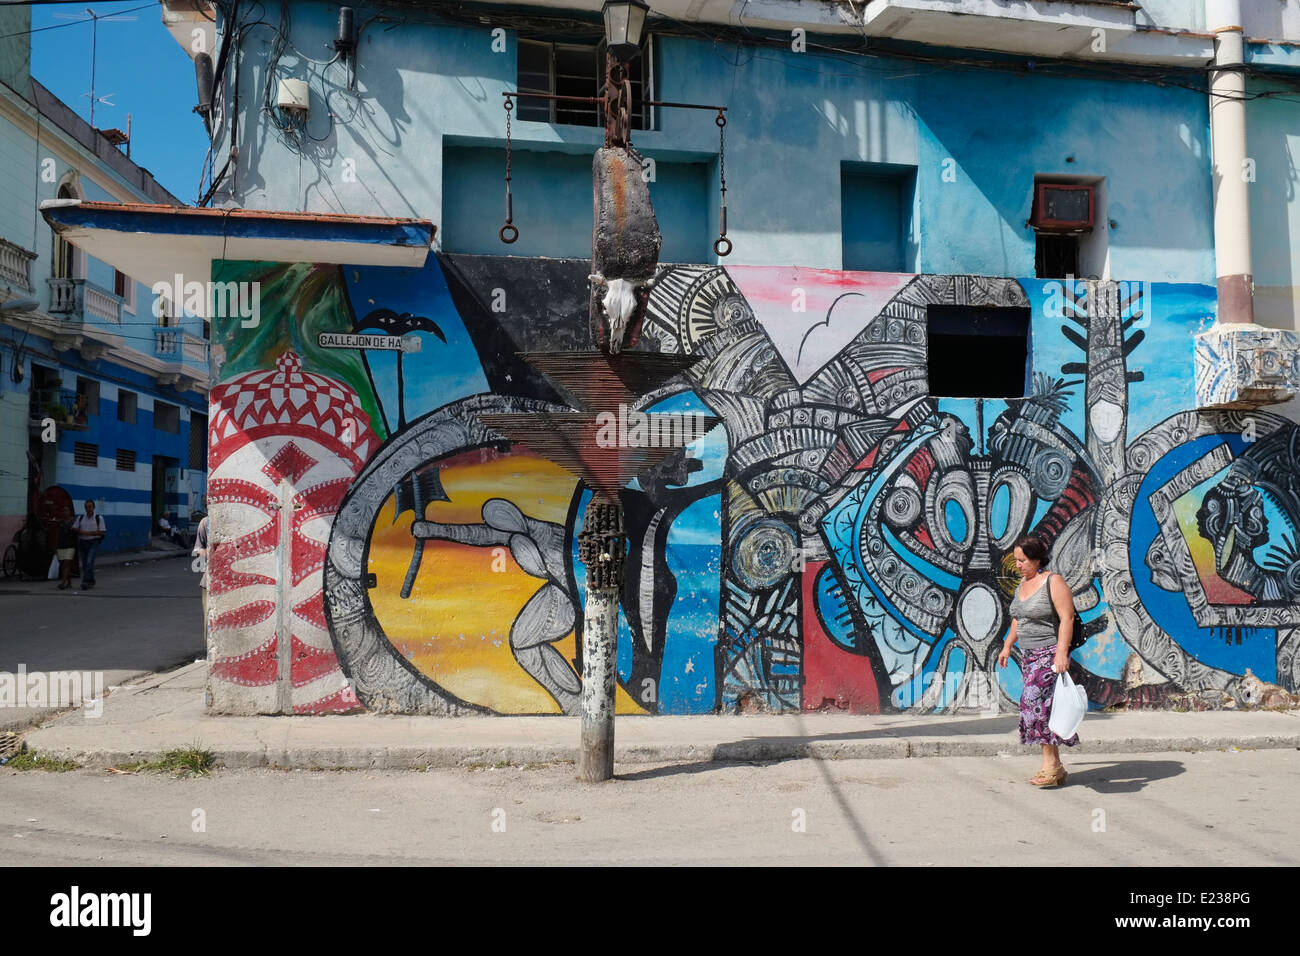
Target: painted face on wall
[{"x": 1232, "y": 517}]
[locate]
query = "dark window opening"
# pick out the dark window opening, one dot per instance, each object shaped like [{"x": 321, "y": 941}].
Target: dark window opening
[
  {"x": 87, "y": 397},
  {"x": 1056, "y": 256},
  {"x": 575, "y": 69},
  {"x": 978, "y": 352},
  {"x": 166, "y": 417},
  {"x": 198, "y": 441},
  {"x": 125, "y": 459},
  {"x": 126, "y": 406},
  {"x": 64, "y": 265}
]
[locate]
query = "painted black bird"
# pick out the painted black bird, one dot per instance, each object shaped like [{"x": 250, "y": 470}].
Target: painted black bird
[{"x": 399, "y": 324}]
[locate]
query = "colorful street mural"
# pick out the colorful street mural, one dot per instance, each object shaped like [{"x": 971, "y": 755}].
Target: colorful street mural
[{"x": 839, "y": 542}]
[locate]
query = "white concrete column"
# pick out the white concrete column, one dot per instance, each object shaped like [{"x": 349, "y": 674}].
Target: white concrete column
[{"x": 1232, "y": 254}]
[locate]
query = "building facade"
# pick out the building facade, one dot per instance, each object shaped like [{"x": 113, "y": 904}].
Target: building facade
[
  {"x": 990, "y": 275},
  {"x": 102, "y": 387}
]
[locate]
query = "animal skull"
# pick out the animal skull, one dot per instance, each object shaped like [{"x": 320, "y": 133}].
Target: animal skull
[{"x": 620, "y": 303}]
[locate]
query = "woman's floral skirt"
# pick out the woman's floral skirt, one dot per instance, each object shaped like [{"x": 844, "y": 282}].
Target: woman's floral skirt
[{"x": 1036, "y": 701}]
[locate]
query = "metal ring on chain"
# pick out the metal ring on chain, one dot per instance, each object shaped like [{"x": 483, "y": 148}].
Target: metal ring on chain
[
  {"x": 721, "y": 120},
  {"x": 722, "y": 246},
  {"x": 514, "y": 233}
]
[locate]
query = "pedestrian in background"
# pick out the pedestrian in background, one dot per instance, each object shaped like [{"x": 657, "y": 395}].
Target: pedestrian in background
[
  {"x": 67, "y": 550},
  {"x": 90, "y": 532},
  {"x": 1042, "y": 619},
  {"x": 201, "y": 552}
]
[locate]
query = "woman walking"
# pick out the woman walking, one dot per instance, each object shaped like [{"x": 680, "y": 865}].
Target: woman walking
[{"x": 1042, "y": 619}]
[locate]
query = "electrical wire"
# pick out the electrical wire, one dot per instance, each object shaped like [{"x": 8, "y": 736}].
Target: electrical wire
[{"x": 70, "y": 23}]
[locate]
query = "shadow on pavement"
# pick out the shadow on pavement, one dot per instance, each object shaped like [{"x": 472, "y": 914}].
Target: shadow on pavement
[{"x": 1122, "y": 776}]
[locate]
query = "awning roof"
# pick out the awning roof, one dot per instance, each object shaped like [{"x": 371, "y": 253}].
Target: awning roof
[{"x": 153, "y": 243}]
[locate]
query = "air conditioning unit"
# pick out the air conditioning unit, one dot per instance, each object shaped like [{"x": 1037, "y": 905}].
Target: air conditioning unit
[{"x": 1062, "y": 207}]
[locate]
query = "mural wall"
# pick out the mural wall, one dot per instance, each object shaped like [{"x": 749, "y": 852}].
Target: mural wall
[{"x": 839, "y": 542}]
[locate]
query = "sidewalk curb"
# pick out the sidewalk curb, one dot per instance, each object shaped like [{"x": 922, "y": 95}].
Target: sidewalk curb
[
  {"x": 123, "y": 558},
  {"x": 420, "y": 758}
]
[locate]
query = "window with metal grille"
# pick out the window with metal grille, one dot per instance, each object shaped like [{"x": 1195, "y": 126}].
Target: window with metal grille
[
  {"x": 198, "y": 441},
  {"x": 84, "y": 453},
  {"x": 125, "y": 459},
  {"x": 1055, "y": 256},
  {"x": 578, "y": 69}
]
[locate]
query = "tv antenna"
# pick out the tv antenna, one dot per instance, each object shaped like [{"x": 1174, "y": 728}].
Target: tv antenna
[{"x": 94, "y": 18}]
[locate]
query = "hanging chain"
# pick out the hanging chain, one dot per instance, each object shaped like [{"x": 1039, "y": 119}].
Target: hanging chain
[
  {"x": 509, "y": 233},
  {"x": 722, "y": 245}
]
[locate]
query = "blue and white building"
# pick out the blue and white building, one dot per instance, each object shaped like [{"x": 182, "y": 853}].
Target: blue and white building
[{"x": 102, "y": 385}]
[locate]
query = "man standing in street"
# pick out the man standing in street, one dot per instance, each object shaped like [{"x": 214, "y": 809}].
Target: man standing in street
[
  {"x": 201, "y": 552},
  {"x": 90, "y": 532}
]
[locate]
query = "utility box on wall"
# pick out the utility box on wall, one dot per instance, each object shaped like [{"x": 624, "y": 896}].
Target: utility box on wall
[{"x": 1246, "y": 366}]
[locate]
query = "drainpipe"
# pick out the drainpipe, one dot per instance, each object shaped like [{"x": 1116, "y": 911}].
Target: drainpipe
[{"x": 1228, "y": 137}]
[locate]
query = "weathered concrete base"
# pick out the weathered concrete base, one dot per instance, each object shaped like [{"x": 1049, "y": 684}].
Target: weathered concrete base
[
  {"x": 165, "y": 712},
  {"x": 1243, "y": 366},
  {"x": 600, "y": 636}
]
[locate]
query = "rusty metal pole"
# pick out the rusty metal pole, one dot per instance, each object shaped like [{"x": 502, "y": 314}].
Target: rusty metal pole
[
  {"x": 601, "y": 547},
  {"x": 625, "y": 249}
]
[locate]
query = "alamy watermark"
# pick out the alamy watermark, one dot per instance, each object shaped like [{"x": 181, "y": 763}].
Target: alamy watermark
[
  {"x": 216, "y": 300},
  {"x": 632, "y": 429},
  {"x": 56, "y": 689},
  {"x": 127, "y": 910},
  {"x": 1134, "y": 300}
]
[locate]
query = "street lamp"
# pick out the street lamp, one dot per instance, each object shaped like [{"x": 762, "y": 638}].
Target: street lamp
[{"x": 624, "y": 24}]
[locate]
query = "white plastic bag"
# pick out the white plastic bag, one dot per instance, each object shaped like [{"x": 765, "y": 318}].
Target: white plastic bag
[
  {"x": 1069, "y": 704},
  {"x": 53, "y": 574}
]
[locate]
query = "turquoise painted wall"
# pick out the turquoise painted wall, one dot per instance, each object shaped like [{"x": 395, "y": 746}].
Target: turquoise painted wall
[
  {"x": 793, "y": 119},
  {"x": 1273, "y": 132}
]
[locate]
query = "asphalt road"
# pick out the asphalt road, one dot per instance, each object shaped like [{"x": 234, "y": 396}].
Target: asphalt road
[
  {"x": 1211, "y": 809},
  {"x": 138, "y": 618}
]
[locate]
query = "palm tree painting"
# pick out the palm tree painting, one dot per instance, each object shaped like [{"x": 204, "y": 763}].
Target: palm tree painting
[{"x": 398, "y": 324}]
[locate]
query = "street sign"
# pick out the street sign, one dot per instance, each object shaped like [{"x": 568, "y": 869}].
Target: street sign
[{"x": 389, "y": 343}]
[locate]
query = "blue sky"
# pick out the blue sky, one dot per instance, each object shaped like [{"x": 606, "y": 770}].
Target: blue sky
[{"x": 154, "y": 82}]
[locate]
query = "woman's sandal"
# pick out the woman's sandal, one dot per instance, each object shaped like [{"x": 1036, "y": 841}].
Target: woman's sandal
[{"x": 1050, "y": 778}]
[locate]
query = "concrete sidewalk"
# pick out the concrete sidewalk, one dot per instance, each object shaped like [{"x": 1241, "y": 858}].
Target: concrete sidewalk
[
  {"x": 113, "y": 559},
  {"x": 161, "y": 712}
]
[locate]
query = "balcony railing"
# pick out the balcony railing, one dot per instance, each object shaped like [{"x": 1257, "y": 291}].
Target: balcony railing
[
  {"x": 167, "y": 343},
  {"x": 16, "y": 265},
  {"x": 184, "y": 356},
  {"x": 82, "y": 300}
]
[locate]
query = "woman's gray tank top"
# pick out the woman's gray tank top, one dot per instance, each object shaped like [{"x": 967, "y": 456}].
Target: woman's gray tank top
[{"x": 1037, "y": 622}]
